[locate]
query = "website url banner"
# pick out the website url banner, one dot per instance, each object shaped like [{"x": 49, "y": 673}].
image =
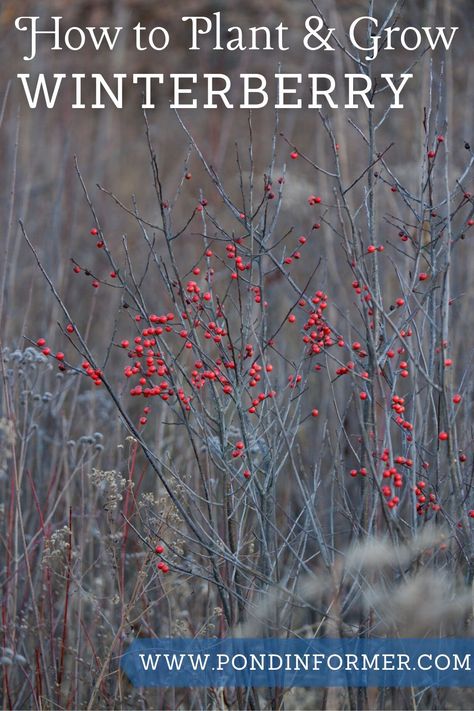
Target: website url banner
[{"x": 288, "y": 663}]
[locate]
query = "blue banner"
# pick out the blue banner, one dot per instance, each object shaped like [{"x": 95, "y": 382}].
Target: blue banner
[{"x": 284, "y": 663}]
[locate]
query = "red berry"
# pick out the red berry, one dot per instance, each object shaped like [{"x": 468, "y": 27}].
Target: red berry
[
  {"x": 423, "y": 276},
  {"x": 94, "y": 232},
  {"x": 291, "y": 318},
  {"x": 443, "y": 436},
  {"x": 457, "y": 399},
  {"x": 294, "y": 155},
  {"x": 315, "y": 413},
  {"x": 70, "y": 328},
  {"x": 40, "y": 342},
  {"x": 159, "y": 549}
]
